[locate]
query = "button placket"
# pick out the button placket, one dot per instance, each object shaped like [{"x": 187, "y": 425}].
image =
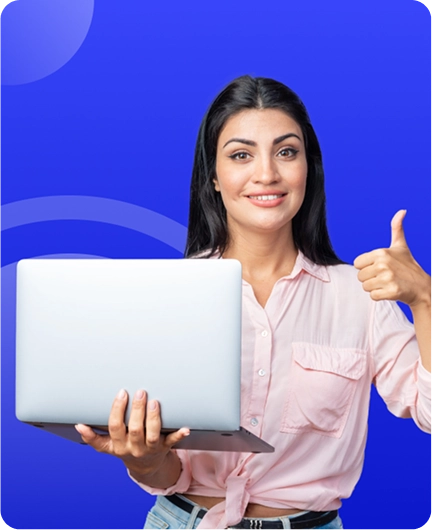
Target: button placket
[
  {"x": 261, "y": 383},
  {"x": 262, "y": 363}
]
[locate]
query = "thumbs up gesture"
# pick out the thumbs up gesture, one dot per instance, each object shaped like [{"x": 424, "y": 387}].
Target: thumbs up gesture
[{"x": 392, "y": 273}]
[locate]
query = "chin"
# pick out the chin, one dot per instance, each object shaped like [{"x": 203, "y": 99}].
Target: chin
[{"x": 271, "y": 227}]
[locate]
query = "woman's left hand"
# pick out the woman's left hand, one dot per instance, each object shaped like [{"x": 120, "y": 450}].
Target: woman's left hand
[{"x": 393, "y": 273}]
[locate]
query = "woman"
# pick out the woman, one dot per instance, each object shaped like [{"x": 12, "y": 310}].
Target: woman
[{"x": 316, "y": 332}]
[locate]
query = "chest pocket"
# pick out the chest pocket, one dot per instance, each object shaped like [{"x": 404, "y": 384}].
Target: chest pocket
[{"x": 321, "y": 387}]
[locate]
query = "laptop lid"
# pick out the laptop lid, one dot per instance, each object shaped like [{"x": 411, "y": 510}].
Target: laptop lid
[{"x": 87, "y": 328}]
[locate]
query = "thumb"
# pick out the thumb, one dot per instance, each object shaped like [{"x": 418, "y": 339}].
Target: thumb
[
  {"x": 397, "y": 231},
  {"x": 98, "y": 442},
  {"x": 176, "y": 436}
]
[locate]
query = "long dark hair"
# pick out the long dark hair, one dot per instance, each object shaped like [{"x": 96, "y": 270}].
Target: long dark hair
[{"x": 207, "y": 229}]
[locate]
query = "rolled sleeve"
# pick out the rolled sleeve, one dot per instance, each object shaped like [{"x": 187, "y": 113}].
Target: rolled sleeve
[
  {"x": 183, "y": 482},
  {"x": 400, "y": 378},
  {"x": 424, "y": 386}
]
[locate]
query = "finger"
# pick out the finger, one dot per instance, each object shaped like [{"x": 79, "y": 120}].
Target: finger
[
  {"x": 367, "y": 273},
  {"x": 372, "y": 285},
  {"x": 153, "y": 424},
  {"x": 379, "y": 294},
  {"x": 176, "y": 436},
  {"x": 99, "y": 442},
  {"x": 397, "y": 231},
  {"x": 85, "y": 431},
  {"x": 136, "y": 420},
  {"x": 364, "y": 260},
  {"x": 116, "y": 424}
]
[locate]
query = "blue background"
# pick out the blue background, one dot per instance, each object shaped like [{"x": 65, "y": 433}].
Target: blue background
[{"x": 114, "y": 113}]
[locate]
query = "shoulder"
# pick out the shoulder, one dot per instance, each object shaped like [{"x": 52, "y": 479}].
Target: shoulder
[
  {"x": 339, "y": 286},
  {"x": 349, "y": 291},
  {"x": 344, "y": 282},
  {"x": 343, "y": 274},
  {"x": 334, "y": 276}
]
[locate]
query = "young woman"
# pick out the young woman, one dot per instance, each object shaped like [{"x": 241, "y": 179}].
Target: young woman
[{"x": 316, "y": 332}]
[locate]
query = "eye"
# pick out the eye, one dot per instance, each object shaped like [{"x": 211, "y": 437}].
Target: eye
[
  {"x": 288, "y": 152},
  {"x": 241, "y": 155}
]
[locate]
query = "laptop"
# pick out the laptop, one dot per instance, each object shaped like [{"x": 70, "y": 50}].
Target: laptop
[{"x": 87, "y": 328}]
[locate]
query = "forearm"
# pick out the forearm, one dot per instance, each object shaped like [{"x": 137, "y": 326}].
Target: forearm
[
  {"x": 166, "y": 476},
  {"x": 422, "y": 324}
]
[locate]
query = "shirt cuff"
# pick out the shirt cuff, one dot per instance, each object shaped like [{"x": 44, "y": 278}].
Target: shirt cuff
[{"x": 183, "y": 482}]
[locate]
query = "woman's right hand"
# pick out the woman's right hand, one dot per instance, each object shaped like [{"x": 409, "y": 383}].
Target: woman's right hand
[{"x": 141, "y": 447}]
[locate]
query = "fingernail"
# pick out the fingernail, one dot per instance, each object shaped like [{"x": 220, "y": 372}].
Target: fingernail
[
  {"x": 139, "y": 395},
  {"x": 78, "y": 428},
  {"x": 121, "y": 394},
  {"x": 186, "y": 432},
  {"x": 152, "y": 405}
]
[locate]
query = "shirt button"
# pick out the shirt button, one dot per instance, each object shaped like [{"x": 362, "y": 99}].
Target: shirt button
[
  {"x": 261, "y": 372},
  {"x": 264, "y": 333},
  {"x": 254, "y": 422}
]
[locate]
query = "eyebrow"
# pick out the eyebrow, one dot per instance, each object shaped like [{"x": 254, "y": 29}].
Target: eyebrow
[{"x": 276, "y": 141}]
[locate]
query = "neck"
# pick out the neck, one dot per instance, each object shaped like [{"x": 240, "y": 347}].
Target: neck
[{"x": 263, "y": 255}]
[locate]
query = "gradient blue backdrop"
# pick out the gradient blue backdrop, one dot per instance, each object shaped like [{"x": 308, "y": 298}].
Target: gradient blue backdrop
[{"x": 103, "y": 100}]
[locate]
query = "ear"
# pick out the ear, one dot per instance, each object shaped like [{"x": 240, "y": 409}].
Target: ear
[{"x": 216, "y": 184}]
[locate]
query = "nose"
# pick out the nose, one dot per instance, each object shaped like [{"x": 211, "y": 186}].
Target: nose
[{"x": 266, "y": 171}]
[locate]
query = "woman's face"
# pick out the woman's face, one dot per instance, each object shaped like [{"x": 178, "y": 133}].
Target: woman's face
[{"x": 261, "y": 170}]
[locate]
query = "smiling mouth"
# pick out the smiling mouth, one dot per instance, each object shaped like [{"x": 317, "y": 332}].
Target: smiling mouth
[{"x": 266, "y": 197}]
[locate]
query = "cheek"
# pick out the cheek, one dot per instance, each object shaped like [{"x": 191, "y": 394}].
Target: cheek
[
  {"x": 302, "y": 173},
  {"x": 299, "y": 181},
  {"x": 229, "y": 190},
  {"x": 298, "y": 178},
  {"x": 230, "y": 182},
  {"x": 221, "y": 176}
]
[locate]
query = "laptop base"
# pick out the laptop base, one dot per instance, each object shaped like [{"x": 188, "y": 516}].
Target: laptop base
[{"x": 239, "y": 441}]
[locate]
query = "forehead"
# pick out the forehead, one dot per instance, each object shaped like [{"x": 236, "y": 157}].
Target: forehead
[{"x": 253, "y": 124}]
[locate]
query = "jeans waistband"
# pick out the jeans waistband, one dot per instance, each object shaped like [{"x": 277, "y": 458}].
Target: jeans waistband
[{"x": 307, "y": 520}]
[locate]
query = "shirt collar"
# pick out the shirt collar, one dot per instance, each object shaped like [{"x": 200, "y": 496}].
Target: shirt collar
[{"x": 304, "y": 263}]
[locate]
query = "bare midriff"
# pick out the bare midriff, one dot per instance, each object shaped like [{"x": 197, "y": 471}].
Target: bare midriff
[{"x": 252, "y": 510}]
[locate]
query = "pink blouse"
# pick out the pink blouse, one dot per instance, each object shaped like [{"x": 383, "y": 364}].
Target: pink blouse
[{"x": 308, "y": 360}]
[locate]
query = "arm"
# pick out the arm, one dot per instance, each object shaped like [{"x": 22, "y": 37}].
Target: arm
[
  {"x": 422, "y": 323},
  {"x": 398, "y": 374},
  {"x": 402, "y": 358},
  {"x": 393, "y": 274}
]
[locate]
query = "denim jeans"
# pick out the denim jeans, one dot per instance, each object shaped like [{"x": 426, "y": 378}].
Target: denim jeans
[{"x": 165, "y": 514}]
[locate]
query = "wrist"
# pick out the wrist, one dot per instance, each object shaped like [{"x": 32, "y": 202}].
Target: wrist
[
  {"x": 423, "y": 299},
  {"x": 142, "y": 470},
  {"x": 145, "y": 471},
  {"x": 163, "y": 476}
]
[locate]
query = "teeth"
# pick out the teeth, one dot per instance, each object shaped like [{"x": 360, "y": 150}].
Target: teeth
[{"x": 265, "y": 197}]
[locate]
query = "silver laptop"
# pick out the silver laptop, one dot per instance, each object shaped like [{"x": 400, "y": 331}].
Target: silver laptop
[{"x": 87, "y": 328}]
